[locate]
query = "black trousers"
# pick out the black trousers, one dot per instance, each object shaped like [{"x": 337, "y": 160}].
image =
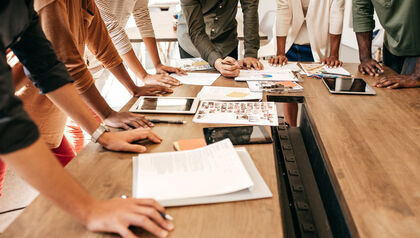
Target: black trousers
[{"x": 184, "y": 54}]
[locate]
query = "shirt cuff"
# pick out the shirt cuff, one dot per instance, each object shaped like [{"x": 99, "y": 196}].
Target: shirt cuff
[
  {"x": 251, "y": 53},
  {"x": 51, "y": 80},
  {"x": 363, "y": 25},
  {"x": 213, "y": 56}
]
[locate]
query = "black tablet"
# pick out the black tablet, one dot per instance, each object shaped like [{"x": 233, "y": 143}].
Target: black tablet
[
  {"x": 239, "y": 135},
  {"x": 348, "y": 86}
]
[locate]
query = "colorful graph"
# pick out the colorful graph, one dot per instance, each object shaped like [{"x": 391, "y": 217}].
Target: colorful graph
[{"x": 266, "y": 75}]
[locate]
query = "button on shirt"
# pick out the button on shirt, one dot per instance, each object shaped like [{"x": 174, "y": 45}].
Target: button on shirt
[{"x": 212, "y": 28}]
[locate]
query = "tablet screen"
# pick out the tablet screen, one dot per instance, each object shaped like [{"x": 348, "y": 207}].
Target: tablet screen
[
  {"x": 165, "y": 104},
  {"x": 346, "y": 84},
  {"x": 240, "y": 135}
]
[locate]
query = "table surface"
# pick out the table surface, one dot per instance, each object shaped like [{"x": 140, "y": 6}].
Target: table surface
[
  {"x": 370, "y": 145},
  {"x": 163, "y": 23}
]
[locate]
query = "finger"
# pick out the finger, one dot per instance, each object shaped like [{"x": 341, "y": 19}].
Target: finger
[
  {"x": 260, "y": 65},
  {"x": 241, "y": 64},
  {"x": 277, "y": 61},
  {"x": 125, "y": 232},
  {"x": 229, "y": 67},
  {"x": 395, "y": 85},
  {"x": 155, "y": 216},
  {"x": 324, "y": 61},
  {"x": 133, "y": 148},
  {"x": 141, "y": 122},
  {"x": 125, "y": 126},
  {"x": 388, "y": 83},
  {"x": 180, "y": 71},
  {"x": 151, "y": 203},
  {"x": 284, "y": 61},
  {"x": 369, "y": 69},
  {"x": 147, "y": 224},
  {"x": 378, "y": 66},
  {"x": 340, "y": 63},
  {"x": 271, "y": 61},
  {"x": 153, "y": 137}
]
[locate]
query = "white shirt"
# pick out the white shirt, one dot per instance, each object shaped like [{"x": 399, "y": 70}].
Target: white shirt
[{"x": 302, "y": 38}]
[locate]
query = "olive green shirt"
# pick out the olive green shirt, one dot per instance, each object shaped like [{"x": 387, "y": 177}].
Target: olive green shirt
[
  {"x": 213, "y": 29},
  {"x": 399, "y": 18}
]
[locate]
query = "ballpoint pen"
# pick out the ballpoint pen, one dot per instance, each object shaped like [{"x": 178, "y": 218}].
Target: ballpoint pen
[
  {"x": 164, "y": 215},
  {"x": 155, "y": 121}
]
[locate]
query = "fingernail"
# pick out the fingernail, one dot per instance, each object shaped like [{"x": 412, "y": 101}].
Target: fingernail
[
  {"x": 171, "y": 226},
  {"x": 164, "y": 233}
]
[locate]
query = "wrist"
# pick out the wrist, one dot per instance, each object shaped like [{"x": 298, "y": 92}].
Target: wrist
[
  {"x": 104, "y": 139},
  {"x": 99, "y": 133},
  {"x": 89, "y": 215},
  {"x": 217, "y": 63}
]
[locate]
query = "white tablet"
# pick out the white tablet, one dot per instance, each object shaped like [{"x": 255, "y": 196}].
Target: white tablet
[{"x": 176, "y": 105}]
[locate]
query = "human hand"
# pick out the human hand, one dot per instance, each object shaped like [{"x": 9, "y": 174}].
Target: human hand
[
  {"x": 151, "y": 90},
  {"x": 116, "y": 215},
  {"x": 228, "y": 66},
  {"x": 121, "y": 140},
  {"x": 127, "y": 120},
  {"x": 160, "y": 79},
  {"x": 332, "y": 62},
  {"x": 371, "y": 67},
  {"x": 251, "y": 62},
  {"x": 398, "y": 81},
  {"x": 163, "y": 69},
  {"x": 278, "y": 60}
]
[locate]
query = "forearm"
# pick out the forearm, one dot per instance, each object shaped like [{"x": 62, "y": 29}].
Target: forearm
[
  {"x": 67, "y": 99},
  {"x": 134, "y": 65},
  {"x": 335, "y": 45},
  {"x": 364, "y": 41},
  {"x": 281, "y": 45},
  {"x": 37, "y": 165},
  {"x": 150, "y": 43},
  {"x": 122, "y": 75}
]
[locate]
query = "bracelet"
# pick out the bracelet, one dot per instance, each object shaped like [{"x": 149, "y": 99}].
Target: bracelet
[{"x": 98, "y": 132}]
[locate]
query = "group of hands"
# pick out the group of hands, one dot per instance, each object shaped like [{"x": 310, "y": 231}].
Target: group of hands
[{"x": 116, "y": 215}]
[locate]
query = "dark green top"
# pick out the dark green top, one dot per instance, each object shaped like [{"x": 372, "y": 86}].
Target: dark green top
[
  {"x": 213, "y": 29},
  {"x": 399, "y": 18}
]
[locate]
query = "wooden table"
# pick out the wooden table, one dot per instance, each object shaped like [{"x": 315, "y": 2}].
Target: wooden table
[
  {"x": 370, "y": 144},
  {"x": 163, "y": 23}
]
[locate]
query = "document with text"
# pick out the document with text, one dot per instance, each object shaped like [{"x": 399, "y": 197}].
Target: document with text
[{"x": 212, "y": 170}]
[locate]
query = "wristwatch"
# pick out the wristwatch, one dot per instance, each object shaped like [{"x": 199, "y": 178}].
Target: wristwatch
[{"x": 98, "y": 132}]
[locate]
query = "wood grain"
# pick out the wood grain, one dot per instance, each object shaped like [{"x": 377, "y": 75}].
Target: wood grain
[{"x": 370, "y": 144}]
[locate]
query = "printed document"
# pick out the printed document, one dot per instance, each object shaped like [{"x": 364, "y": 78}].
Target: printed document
[
  {"x": 197, "y": 78},
  {"x": 228, "y": 94},
  {"x": 212, "y": 170}
]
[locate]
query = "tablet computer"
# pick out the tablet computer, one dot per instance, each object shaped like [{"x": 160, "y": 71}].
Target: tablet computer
[
  {"x": 156, "y": 104},
  {"x": 239, "y": 135},
  {"x": 348, "y": 86}
]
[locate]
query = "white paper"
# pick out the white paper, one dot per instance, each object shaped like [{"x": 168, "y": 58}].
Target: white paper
[
  {"x": 227, "y": 94},
  {"x": 263, "y": 75},
  {"x": 293, "y": 66},
  {"x": 244, "y": 113},
  {"x": 193, "y": 64},
  {"x": 311, "y": 69},
  {"x": 271, "y": 86},
  {"x": 211, "y": 170},
  {"x": 197, "y": 78}
]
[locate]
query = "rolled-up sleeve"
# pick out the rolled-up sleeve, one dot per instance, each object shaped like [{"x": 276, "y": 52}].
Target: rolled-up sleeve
[
  {"x": 197, "y": 32},
  {"x": 54, "y": 22},
  {"x": 283, "y": 18},
  {"x": 363, "y": 16},
  {"x": 336, "y": 17},
  {"x": 36, "y": 53},
  {"x": 17, "y": 130},
  {"x": 99, "y": 42},
  {"x": 142, "y": 18},
  {"x": 251, "y": 27}
]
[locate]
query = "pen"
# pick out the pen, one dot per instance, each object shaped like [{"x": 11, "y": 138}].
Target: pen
[
  {"x": 345, "y": 75},
  {"x": 164, "y": 216},
  {"x": 166, "y": 121}
]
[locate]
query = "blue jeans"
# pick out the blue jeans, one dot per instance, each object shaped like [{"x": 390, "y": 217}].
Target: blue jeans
[{"x": 300, "y": 53}]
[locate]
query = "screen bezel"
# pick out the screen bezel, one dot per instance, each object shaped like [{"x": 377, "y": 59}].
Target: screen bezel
[
  {"x": 369, "y": 89},
  {"x": 266, "y": 140},
  {"x": 192, "y": 110}
]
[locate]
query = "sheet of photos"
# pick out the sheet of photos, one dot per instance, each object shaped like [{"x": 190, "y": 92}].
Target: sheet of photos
[{"x": 245, "y": 113}]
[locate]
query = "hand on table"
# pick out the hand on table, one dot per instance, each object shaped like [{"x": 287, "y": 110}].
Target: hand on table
[
  {"x": 121, "y": 140},
  {"x": 251, "y": 62},
  {"x": 163, "y": 69},
  {"x": 152, "y": 90},
  {"x": 116, "y": 215},
  {"x": 332, "y": 62},
  {"x": 398, "y": 81},
  {"x": 370, "y": 67},
  {"x": 163, "y": 80},
  {"x": 228, "y": 66},
  {"x": 278, "y": 60},
  {"x": 127, "y": 120}
]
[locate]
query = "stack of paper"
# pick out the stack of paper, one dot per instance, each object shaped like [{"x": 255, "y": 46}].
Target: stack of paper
[
  {"x": 245, "y": 113},
  {"x": 197, "y": 78},
  {"x": 193, "y": 64},
  {"x": 228, "y": 94},
  {"x": 293, "y": 66},
  {"x": 314, "y": 69},
  {"x": 214, "y": 173}
]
